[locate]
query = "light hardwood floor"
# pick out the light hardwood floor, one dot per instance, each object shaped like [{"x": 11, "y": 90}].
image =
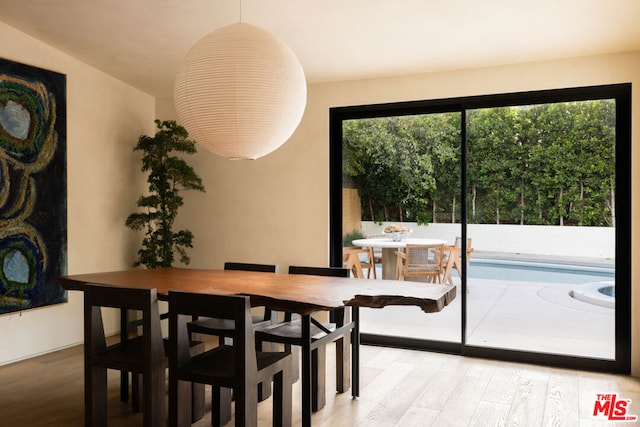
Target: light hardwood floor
[{"x": 398, "y": 388}]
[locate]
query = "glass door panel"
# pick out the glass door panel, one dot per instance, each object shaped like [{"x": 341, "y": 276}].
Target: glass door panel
[
  {"x": 541, "y": 215},
  {"x": 403, "y": 173}
]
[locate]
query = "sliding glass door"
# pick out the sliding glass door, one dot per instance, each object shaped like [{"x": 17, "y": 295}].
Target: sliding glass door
[
  {"x": 540, "y": 185},
  {"x": 534, "y": 188},
  {"x": 395, "y": 167}
]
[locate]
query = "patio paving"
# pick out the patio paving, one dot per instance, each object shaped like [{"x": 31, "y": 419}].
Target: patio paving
[{"x": 529, "y": 316}]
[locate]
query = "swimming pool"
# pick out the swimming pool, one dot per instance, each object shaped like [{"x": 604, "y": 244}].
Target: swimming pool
[
  {"x": 529, "y": 271},
  {"x": 593, "y": 284}
]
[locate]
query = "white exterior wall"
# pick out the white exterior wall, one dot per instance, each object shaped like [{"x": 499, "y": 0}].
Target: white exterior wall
[{"x": 588, "y": 242}]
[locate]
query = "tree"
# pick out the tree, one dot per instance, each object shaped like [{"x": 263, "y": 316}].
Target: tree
[
  {"x": 543, "y": 164},
  {"x": 167, "y": 176},
  {"x": 391, "y": 161},
  {"x": 495, "y": 160}
]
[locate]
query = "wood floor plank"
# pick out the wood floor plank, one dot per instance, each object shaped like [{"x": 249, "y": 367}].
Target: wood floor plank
[
  {"x": 398, "y": 401},
  {"x": 527, "y": 408},
  {"x": 418, "y": 417},
  {"x": 490, "y": 414},
  {"x": 463, "y": 402},
  {"x": 400, "y": 388},
  {"x": 503, "y": 384},
  {"x": 439, "y": 389},
  {"x": 561, "y": 407}
]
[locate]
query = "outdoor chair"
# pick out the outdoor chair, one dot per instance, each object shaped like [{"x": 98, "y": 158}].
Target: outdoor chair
[
  {"x": 421, "y": 261},
  {"x": 352, "y": 262},
  {"x": 289, "y": 333},
  {"x": 238, "y": 367},
  {"x": 454, "y": 259},
  {"x": 458, "y": 244},
  {"x": 375, "y": 254}
]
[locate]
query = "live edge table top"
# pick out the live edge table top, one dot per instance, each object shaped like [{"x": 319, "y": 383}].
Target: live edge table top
[{"x": 296, "y": 293}]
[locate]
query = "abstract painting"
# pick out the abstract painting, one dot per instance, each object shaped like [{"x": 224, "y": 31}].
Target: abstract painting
[{"x": 33, "y": 196}]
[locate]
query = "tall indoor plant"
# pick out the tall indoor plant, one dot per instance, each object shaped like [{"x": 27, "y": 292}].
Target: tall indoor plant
[{"x": 167, "y": 176}]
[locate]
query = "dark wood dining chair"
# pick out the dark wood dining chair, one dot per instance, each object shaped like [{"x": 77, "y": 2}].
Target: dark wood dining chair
[
  {"x": 289, "y": 333},
  {"x": 224, "y": 329},
  {"x": 238, "y": 366},
  {"x": 144, "y": 354}
]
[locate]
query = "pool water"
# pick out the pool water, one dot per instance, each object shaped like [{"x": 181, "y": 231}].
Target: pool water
[
  {"x": 537, "y": 272},
  {"x": 609, "y": 291}
]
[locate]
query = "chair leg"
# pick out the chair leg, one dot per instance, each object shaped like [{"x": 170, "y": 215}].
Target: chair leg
[
  {"x": 282, "y": 398},
  {"x": 136, "y": 392},
  {"x": 95, "y": 397},
  {"x": 295, "y": 356},
  {"x": 179, "y": 402},
  {"x": 343, "y": 364},
  {"x": 197, "y": 402},
  {"x": 154, "y": 398},
  {"x": 264, "y": 388},
  {"x": 220, "y": 406},
  {"x": 318, "y": 378},
  {"x": 246, "y": 413}
]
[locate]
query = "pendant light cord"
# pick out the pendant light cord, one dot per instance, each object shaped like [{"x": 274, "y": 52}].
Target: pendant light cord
[{"x": 240, "y": 11}]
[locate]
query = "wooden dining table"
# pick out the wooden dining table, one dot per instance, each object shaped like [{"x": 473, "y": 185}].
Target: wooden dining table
[{"x": 294, "y": 293}]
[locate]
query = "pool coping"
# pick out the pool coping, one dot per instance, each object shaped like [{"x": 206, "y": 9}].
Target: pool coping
[{"x": 537, "y": 258}]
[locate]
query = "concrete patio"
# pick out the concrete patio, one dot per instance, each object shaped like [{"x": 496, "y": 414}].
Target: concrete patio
[{"x": 509, "y": 314}]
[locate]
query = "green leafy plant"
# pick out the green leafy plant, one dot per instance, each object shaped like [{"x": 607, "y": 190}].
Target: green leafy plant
[
  {"x": 347, "y": 240},
  {"x": 168, "y": 175}
]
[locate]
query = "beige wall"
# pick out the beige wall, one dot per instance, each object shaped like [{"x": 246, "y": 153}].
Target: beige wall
[
  {"x": 272, "y": 210},
  {"x": 104, "y": 119},
  {"x": 275, "y": 209}
]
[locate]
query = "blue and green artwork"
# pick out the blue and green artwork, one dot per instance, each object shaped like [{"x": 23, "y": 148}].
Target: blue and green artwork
[{"x": 33, "y": 196}]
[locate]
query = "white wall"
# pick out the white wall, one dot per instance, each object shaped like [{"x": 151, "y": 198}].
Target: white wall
[
  {"x": 104, "y": 119},
  {"x": 542, "y": 240},
  {"x": 275, "y": 209}
]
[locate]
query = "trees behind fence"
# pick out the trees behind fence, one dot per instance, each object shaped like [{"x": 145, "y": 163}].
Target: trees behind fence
[{"x": 549, "y": 164}]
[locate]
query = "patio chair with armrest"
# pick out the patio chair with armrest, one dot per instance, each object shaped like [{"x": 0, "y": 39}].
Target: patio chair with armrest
[
  {"x": 421, "y": 261},
  {"x": 352, "y": 261},
  {"x": 454, "y": 258},
  {"x": 375, "y": 254}
]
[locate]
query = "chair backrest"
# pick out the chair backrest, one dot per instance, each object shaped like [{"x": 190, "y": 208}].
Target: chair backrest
[
  {"x": 335, "y": 315},
  {"x": 263, "y": 268},
  {"x": 319, "y": 271},
  {"x": 458, "y": 244},
  {"x": 184, "y": 305},
  {"x": 142, "y": 300},
  {"x": 266, "y": 268},
  {"x": 425, "y": 256}
]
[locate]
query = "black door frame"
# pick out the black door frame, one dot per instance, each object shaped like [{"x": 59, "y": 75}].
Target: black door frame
[{"x": 622, "y": 95}]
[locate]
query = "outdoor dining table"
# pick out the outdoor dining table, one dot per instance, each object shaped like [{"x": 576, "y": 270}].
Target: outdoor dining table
[
  {"x": 294, "y": 293},
  {"x": 389, "y": 248}
]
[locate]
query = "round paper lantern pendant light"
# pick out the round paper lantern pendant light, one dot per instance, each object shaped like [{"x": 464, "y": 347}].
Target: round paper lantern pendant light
[{"x": 240, "y": 92}]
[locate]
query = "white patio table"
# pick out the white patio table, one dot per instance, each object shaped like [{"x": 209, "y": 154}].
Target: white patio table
[{"x": 389, "y": 247}]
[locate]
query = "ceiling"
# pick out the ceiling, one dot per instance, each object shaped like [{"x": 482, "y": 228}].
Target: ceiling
[{"x": 143, "y": 42}]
